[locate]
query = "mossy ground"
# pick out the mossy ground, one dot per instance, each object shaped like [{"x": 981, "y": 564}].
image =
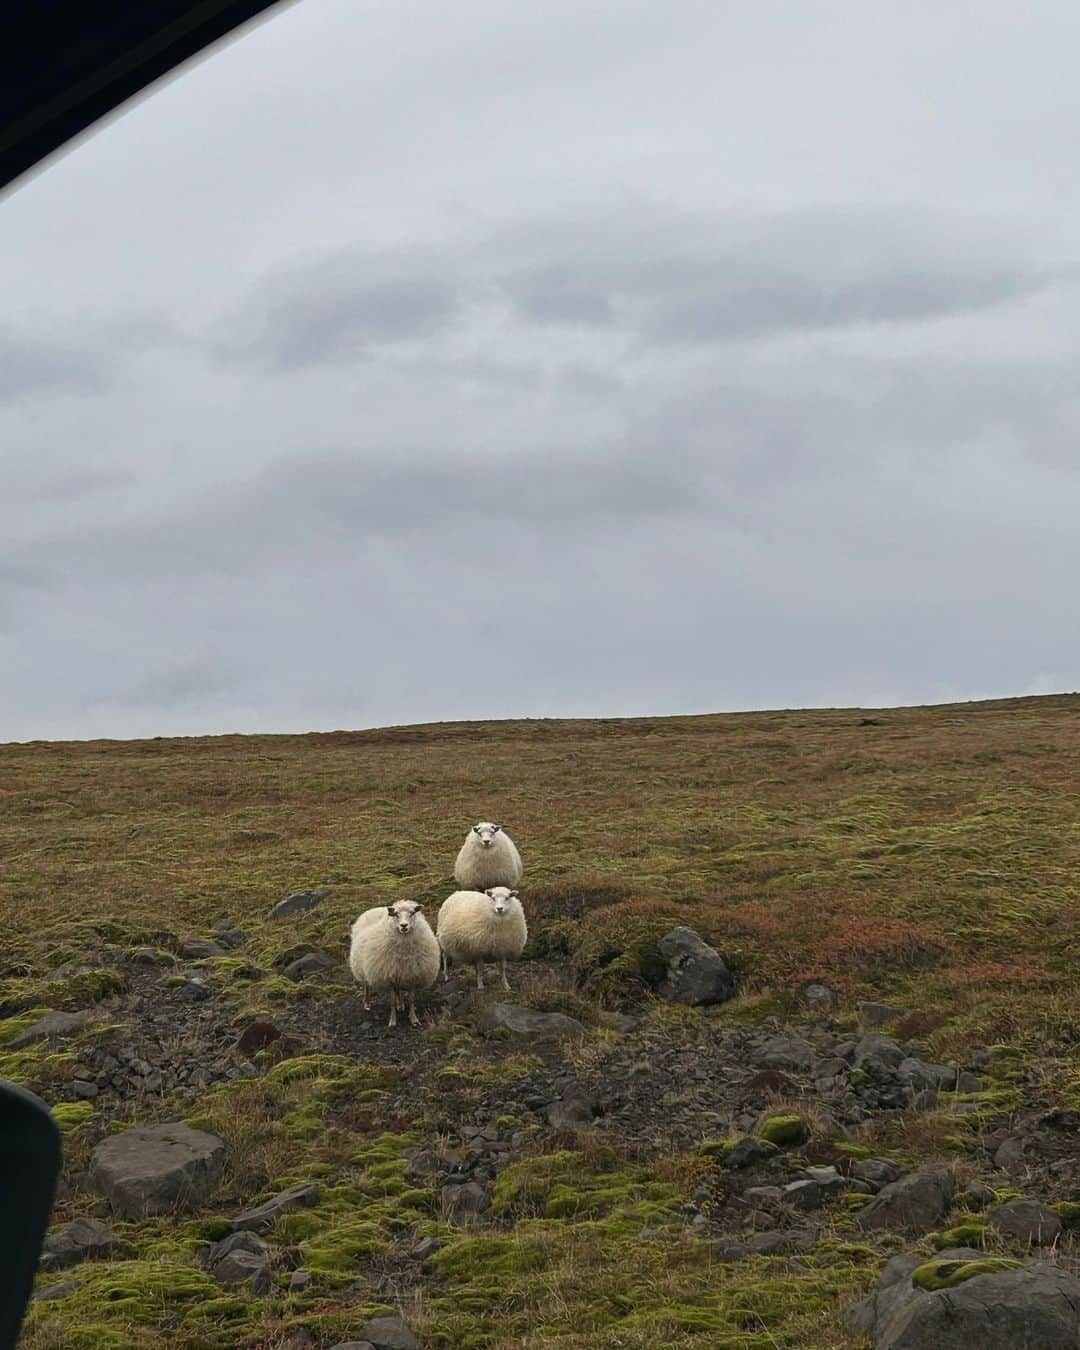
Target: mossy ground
[{"x": 930, "y": 860}]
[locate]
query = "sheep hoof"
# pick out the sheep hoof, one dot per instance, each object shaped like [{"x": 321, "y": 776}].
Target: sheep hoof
[
  {"x": 414, "y": 1021},
  {"x": 506, "y": 986}
]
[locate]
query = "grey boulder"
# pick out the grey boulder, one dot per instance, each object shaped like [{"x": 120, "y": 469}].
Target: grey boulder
[
  {"x": 298, "y": 902},
  {"x": 1034, "y": 1307},
  {"x": 76, "y": 1241},
  {"x": 388, "y": 1333},
  {"x": 51, "y": 1026},
  {"x": 696, "y": 973},
  {"x": 916, "y": 1202},
  {"x": 157, "y": 1169},
  {"x": 1026, "y": 1221}
]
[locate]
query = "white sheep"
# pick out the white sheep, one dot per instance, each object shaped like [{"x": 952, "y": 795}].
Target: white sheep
[
  {"x": 478, "y": 926},
  {"x": 488, "y": 857},
  {"x": 392, "y": 947}
]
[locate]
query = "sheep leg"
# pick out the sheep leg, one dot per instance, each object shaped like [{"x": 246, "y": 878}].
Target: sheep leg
[
  {"x": 367, "y": 997},
  {"x": 445, "y": 966},
  {"x": 413, "y": 1019},
  {"x": 393, "y": 1009},
  {"x": 479, "y": 974},
  {"x": 506, "y": 982}
]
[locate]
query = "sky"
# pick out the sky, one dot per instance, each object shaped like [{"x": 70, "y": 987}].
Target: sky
[{"x": 400, "y": 363}]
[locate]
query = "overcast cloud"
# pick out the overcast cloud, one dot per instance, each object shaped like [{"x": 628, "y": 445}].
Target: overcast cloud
[{"x": 398, "y": 364}]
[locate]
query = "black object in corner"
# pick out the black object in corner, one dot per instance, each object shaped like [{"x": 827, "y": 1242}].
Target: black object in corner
[{"x": 29, "y": 1167}]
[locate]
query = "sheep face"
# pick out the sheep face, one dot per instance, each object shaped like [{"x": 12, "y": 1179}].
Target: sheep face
[
  {"x": 500, "y": 897},
  {"x": 403, "y": 914},
  {"x": 485, "y": 831}
]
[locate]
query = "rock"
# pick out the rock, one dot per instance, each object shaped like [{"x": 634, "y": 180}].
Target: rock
[
  {"x": 388, "y": 1333},
  {"x": 979, "y": 1194},
  {"x": 871, "y": 1047},
  {"x": 920, "y": 1076},
  {"x": 812, "y": 1191},
  {"x": 878, "y": 1014},
  {"x": 263, "y": 1217},
  {"x": 819, "y": 998},
  {"x": 696, "y": 973},
  {"x": 306, "y": 966},
  {"x": 748, "y": 1150},
  {"x": 620, "y": 1022},
  {"x": 762, "y": 1195},
  {"x": 968, "y": 1082},
  {"x": 783, "y": 1130},
  {"x": 51, "y": 1026},
  {"x": 54, "y": 1291},
  {"x": 460, "y": 1202},
  {"x": 299, "y": 1281},
  {"x": 526, "y": 1022},
  {"x": 156, "y": 1169},
  {"x": 76, "y": 1241},
  {"x": 232, "y": 937},
  {"x": 877, "y": 1171},
  {"x": 83, "y": 1090},
  {"x": 255, "y": 1037},
  {"x": 787, "y": 1052},
  {"x": 571, "y": 1113},
  {"x": 200, "y": 949},
  {"x": 971, "y": 1300},
  {"x": 1026, "y": 1221},
  {"x": 353, "y": 1345},
  {"x": 1010, "y": 1157},
  {"x": 298, "y": 902},
  {"x": 916, "y": 1202},
  {"x": 193, "y": 988},
  {"x": 239, "y": 1257},
  {"x": 425, "y": 1249}
]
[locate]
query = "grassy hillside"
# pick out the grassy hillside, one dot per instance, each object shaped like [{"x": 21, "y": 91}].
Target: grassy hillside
[{"x": 929, "y": 857}]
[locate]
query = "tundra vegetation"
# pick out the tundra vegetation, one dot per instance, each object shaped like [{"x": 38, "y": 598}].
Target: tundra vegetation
[{"x": 896, "y": 893}]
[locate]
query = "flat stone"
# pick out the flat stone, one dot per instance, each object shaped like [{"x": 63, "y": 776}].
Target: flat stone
[
  {"x": 263, "y": 1217},
  {"x": 880, "y": 1048},
  {"x": 786, "y": 1052},
  {"x": 1026, "y": 1221},
  {"x": 877, "y": 1171},
  {"x": 810, "y": 1193},
  {"x": 299, "y": 902},
  {"x": 77, "y": 1241},
  {"x": 389, "y": 1333},
  {"x": 157, "y": 1169},
  {"x": 917, "y": 1202},
  {"x": 425, "y": 1249},
  {"x": 304, "y": 967},
  {"x": 526, "y": 1022},
  {"x": 200, "y": 949},
  {"x": 236, "y": 1258},
  {"x": 920, "y": 1076},
  {"x": 696, "y": 973},
  {"x": 51, "y": 1026},
  {"x": 1010, "y": 1157},
  {"x": 60, "y": 1289}
]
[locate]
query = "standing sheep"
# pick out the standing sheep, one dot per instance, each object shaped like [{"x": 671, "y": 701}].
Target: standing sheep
[
  {"x": 478, "y": 926},
  {"x": 488, "y": 857},
  {"x": 392, "y": 947}
]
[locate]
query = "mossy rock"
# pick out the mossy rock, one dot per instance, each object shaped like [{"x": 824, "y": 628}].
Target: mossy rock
[
  {"x": 972, "y": 1234},
  {"x": 783, "y": 1130},
  {"x": 1068, "y": 1211},
  {"x": 948, "y": 1274},
  {"x": 716, "y": 1148}
]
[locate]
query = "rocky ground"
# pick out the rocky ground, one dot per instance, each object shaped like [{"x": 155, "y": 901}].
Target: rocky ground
[{"x": 313, "y": 1178}]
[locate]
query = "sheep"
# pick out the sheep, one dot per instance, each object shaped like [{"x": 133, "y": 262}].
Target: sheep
[
  {"x": 488, "y": 857},
  {"x": 479, "y": 926},
  {"x": 392, "y": 947}
]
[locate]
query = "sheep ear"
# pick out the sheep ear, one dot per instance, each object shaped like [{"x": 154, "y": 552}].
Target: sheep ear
[
  {"x": 390, "y": 910},
  {"x": 495, "y": 829},
  {"x": 488, "y": 891},
  {"x": 513, "y": 892}
]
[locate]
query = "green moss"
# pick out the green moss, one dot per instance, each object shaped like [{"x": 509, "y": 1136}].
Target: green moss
[
  {"x": 311, "y": 1066},
  {"x": 70, "y": 1115},
  {"x": 971, "y": 1234},
  {"x": 948, "y": 1274},
  {"x": 783, "y": 1130},
  {"x": 716, "y": 1148},
  {"x": 345, "y": 1248}
]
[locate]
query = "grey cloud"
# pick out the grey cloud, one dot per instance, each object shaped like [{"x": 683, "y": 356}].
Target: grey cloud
[
  {"x": 72, "y": 485},
  {"x": 30, "y": 365},
  {"x": 730, "y": 277},
  {"x": 173, "y": 687},
  {"x": 340, "y": 308}
]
